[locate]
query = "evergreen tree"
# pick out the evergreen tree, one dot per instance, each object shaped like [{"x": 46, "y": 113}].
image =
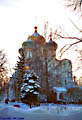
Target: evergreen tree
[
  {"x": 19, "y": 76},
  {"x": 30, "y": 89}
]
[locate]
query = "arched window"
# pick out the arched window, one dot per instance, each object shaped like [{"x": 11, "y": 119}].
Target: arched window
[{"x": 29, "y": 54}]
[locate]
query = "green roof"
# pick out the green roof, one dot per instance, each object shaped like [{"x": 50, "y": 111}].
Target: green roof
[
  {"x": 21, "y": 51},
  {"x": 28, "y": 44}
]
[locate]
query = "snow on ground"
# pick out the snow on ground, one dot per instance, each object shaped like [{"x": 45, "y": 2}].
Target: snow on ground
[{"x": 44, "y": 112}]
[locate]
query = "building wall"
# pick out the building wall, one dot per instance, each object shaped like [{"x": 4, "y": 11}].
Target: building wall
[{"x": 60, "y": 72}]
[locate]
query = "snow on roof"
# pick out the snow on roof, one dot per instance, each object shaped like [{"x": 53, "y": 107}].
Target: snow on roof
[
  {"x": 71, "y": 86},
  {"x": 31, "y": 81},
  {"x": 60, "y": 89}
]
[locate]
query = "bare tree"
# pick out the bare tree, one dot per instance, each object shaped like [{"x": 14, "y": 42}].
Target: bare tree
[
  {"x": 75, "y": 41},
  {"x": 75, "y": 4},
  {"x": 3, "y": 74},
  {"x": 3, "y": 67}
]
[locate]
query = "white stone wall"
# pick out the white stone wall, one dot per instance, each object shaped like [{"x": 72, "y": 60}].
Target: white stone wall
[{"x": 61, "y": 71}]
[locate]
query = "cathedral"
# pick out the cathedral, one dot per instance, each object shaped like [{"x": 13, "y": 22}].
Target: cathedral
[{"x": 40, "y": 56}]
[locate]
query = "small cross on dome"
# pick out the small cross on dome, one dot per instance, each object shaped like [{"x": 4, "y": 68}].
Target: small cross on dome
[
  {"x": 50, "y": 35},
  {"x": 35, "y": 28}
]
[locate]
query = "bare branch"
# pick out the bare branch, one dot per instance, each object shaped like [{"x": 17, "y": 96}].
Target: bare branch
[
  {"x": 75, "y": 25},
  {"x": 79, "y": 39},
  {"x": 76, "y": 4},
  {"x": 68, "y": 46},
  {"x": 78, "y": 68}
]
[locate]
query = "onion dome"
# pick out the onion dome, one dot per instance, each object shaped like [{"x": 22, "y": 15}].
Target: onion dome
[
  {"x": 26, "y": 67},
  {"x": 36, "y": 37},
  {"x": 21, "y": 51},
  {"x": 28, "y": 43},
  {"x": 51, "y": 44}
]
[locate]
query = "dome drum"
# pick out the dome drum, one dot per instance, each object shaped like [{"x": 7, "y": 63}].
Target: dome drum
[{"x": 51, "y": 45}]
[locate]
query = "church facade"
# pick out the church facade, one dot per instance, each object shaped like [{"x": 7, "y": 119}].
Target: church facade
[{"x": 41, "y": 58}]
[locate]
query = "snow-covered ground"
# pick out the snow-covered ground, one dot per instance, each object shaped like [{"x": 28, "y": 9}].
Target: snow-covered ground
[{"x": 44, "y": 112}]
